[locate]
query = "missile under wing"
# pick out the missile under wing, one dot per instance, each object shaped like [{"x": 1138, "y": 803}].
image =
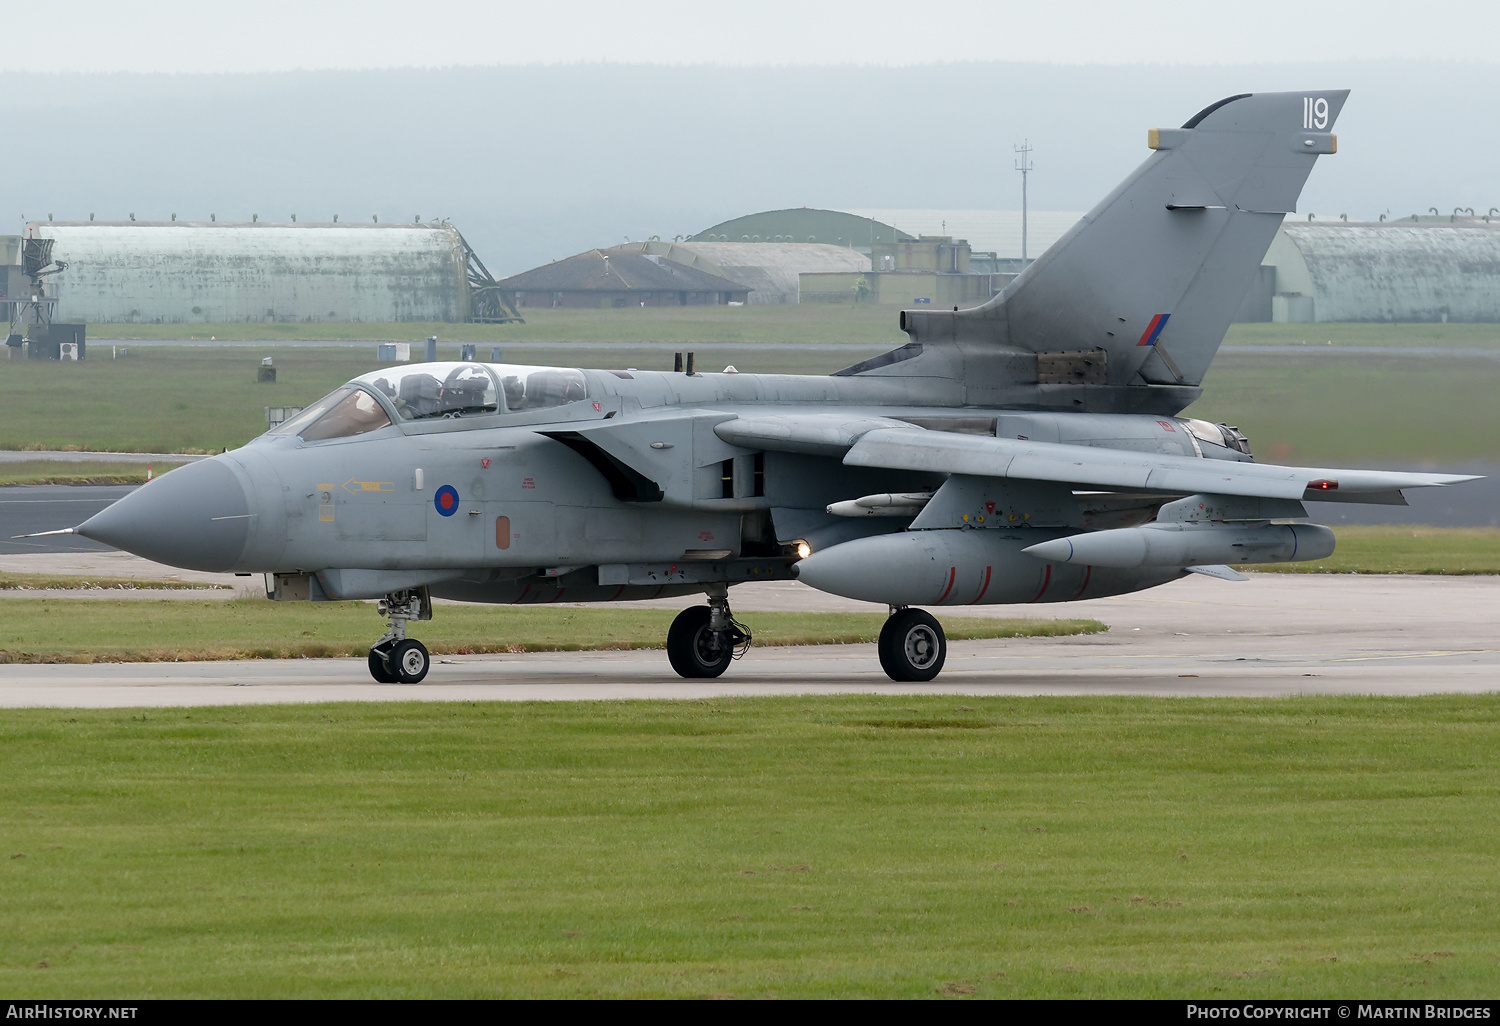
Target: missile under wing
[{"x": 1027, "y": 450}]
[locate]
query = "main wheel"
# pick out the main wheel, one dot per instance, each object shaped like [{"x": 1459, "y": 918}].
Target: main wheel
[
  {"x": 693, "y": 649},
  {"x": 379, "y": 668},
  {"x": 410, "y": 661},
  {"x": 912, "y": 646}
]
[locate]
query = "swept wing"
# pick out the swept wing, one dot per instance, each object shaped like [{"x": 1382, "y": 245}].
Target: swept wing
[{"x": 1084, "y": 466}]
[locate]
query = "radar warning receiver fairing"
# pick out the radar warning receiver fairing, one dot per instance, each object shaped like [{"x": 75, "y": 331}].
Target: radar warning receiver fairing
[{"x": 1026, "y": 450}]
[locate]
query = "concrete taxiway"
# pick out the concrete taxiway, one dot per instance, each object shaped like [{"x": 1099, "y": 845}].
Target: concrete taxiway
[{"x": 1272, "y": 635}]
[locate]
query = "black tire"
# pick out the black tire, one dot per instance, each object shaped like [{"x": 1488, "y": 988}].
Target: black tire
[
  {"x": 379, "y": 668},
  {"x": 693, "y": 649},
  {"x": 410, "y": 661},
  {"x": 912, "y": 646}
]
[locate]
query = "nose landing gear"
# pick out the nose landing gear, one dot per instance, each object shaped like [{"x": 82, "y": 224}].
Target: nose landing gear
[
  {"x": 395, "y": 658},
  {"x": 704, "y": 640}
]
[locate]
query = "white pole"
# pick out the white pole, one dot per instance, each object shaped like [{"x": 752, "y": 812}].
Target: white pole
[{"x": 1023, "y": 165}]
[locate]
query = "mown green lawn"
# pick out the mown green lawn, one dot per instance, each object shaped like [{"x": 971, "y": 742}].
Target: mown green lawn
[
  {"x": 855, "y": 846},
  {"x": 69, "y": 472},
  {"x": 1459, "y": 551},
  {"x": 1357, "y": 409},
  {"x": 1446, "y": 336},
  {"x": 204, "y": 399},
  {"x": 1330, "y": 409},
  {"x": 803, "y": 322},
  {"x": 864, "y": 325}
]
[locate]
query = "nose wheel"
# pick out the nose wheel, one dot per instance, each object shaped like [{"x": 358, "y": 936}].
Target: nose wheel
[
  {"x": 395, "y": 658},
  {"x": 912, "y": 646}
]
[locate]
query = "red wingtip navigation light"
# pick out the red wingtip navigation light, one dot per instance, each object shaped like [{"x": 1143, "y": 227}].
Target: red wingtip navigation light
[{"x": 1322, "y": 485}]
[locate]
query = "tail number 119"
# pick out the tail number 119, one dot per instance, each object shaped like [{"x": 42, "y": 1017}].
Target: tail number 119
[{"x": 1314, "y": 112}]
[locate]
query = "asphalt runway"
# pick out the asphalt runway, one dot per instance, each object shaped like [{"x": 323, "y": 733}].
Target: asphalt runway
[
  {"x": 27, "y": 509},
  {"x": 1274, "y": 635}
]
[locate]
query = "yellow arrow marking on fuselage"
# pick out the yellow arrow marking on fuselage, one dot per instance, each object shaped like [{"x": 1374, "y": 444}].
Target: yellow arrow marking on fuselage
[{"x": 354, "y": 487}]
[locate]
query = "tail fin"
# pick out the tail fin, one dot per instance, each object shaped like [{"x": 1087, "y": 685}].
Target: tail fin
[{"x": 1153, "y": 274}]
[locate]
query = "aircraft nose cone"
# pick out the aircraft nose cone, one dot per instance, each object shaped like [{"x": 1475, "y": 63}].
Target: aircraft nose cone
[{"x": 196, "y": 517}]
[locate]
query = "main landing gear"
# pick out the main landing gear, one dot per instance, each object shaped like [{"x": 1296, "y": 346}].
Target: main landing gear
[
  {"x": 395, "y": 658},
  {"x": 704, "y": 640},
  {"x": 912, "y": 645}
]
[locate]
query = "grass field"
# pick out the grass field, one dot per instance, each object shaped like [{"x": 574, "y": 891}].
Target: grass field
[
  {"x": 856, "y": 846},
  {"x": 796, "y": 323},
  {"x": 82, "y": 472},
  {"x": 134, "y": 630},
  {"x": 1317, "y": 408},
  {"x": 1357, "y": 409},
  {"x": 68, "y": 582},
  {"x": 864, "y": 325},
  {"x": 1404, "y": 550},
  {"x": 1446, "y": 336},
  {"x": 197, "y": 400}
]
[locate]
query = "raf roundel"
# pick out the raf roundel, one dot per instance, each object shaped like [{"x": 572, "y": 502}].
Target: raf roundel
[{"x": 446, "y": 500}]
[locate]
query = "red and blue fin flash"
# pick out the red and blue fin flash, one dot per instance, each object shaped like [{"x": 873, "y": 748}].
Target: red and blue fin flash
[{"x": 1149, "y": 336}]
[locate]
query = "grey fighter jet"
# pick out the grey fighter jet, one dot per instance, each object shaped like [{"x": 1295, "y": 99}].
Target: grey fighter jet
[{"x": 1026, "y": 450}]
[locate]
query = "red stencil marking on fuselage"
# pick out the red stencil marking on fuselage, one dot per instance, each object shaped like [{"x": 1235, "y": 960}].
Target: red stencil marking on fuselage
[
  {"x": 1046, "y": 580},
  {"x": 1088, "y": 572},
  {"x": 952, "y": 576},
  {"x": 984, "y": 589}
]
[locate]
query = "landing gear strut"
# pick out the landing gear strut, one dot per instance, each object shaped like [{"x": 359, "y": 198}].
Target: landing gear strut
[
  {"x": 704, "y": 640},
  {"x": 912, "y": 645},
  {"x": 395, "y": 658}
]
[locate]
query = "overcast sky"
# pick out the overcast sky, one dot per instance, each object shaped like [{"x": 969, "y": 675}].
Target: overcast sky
[
  {"x": 544, "y": 133},
  {"x": 282, "y": 35}
]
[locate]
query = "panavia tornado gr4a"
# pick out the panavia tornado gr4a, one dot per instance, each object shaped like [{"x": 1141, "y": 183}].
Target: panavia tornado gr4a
[{"x": 1026, "y": 450}]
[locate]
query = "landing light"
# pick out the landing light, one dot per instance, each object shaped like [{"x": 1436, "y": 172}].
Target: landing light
[{"x": 803, "y": 549}]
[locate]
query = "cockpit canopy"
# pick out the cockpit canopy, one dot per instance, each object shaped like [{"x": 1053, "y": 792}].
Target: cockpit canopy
[{"x": 434, "y": 391}]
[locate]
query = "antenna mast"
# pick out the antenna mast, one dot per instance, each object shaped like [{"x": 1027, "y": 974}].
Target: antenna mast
[{"x": 1023, "y": 165}]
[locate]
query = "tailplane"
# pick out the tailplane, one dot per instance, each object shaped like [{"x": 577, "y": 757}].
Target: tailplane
[{"x": 1141, "y": 291}]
